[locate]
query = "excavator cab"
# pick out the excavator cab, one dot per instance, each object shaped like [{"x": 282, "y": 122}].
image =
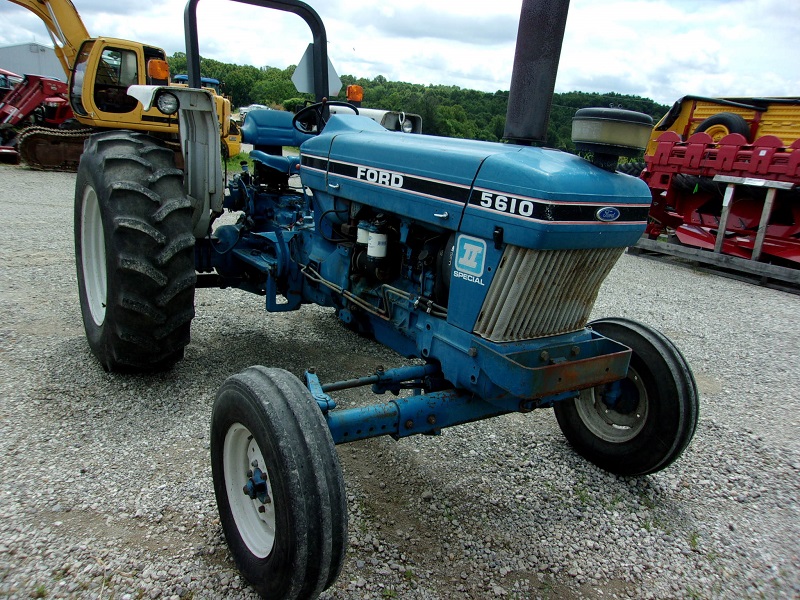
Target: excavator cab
[
  {"x": 100, "y": 71},
  {"x": 103, "y": 71}
]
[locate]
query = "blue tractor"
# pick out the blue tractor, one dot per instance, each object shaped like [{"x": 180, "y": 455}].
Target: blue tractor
[{"x": 482, "y": 260}]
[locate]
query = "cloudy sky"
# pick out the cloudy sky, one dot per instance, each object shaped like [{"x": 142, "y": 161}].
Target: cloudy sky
[{"x": 660, "y": 49}]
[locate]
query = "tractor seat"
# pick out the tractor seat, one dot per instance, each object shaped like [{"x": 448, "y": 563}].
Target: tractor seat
[{"x": 268, "y": 130}]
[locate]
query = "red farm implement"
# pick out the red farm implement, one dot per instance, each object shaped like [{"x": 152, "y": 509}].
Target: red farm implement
[
  {"x": 34, "y": 101},
  {"x": 727, "y": 201}
]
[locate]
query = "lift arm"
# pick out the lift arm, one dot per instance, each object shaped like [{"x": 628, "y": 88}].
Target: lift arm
[{"x": 64, "y": 25}]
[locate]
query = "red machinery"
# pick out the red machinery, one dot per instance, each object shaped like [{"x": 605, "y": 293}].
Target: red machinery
[
  {"x": 749, "y": 191},
  {"x": 36, "y": 100},
  {"x": 7, "y": 82}
]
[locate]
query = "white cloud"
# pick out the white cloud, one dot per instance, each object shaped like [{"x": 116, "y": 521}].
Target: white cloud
[{"x": 662, "y": 49}]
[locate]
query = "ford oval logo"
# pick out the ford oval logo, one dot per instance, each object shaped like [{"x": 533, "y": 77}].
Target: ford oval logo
[{"x": 607, "y": 214}]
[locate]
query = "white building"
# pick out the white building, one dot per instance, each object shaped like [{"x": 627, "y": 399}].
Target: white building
[{"x": 31, "y": 58}]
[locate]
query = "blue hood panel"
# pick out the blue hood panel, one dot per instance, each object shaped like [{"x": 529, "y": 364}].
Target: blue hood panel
[{"x": 538, "y": 197}]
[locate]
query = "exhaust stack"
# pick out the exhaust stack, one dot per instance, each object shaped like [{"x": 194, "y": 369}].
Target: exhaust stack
[{"x": 533, "y": 79}]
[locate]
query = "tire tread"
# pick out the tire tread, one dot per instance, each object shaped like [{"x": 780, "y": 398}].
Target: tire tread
[{"x": 150, "y": 251}]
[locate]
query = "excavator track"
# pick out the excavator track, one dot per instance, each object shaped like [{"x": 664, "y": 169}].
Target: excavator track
[{"x": 48, "y": 149}]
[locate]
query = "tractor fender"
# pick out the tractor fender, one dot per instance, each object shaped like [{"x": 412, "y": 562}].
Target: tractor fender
[{"x": 199, "y": 130}]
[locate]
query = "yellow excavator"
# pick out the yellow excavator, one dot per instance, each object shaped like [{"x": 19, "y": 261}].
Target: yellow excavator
[{"x": 99, "y": 71}]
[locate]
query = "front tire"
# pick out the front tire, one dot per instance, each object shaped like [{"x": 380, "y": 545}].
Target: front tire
[
  {"x": 278, "y": 484},
  {"x": 642, "y": 423},
  {"x": 134, "y": 252}
]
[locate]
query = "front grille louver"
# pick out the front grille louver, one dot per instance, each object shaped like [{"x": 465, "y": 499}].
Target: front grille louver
[{"x": 537, "y": 293}]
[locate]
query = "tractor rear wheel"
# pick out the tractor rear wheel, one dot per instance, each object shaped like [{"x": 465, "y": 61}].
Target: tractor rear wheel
[
  {"x": 643, "y": 423},
  {"x": 278, "y": 484},
  {"x": 134, "y": 252}
]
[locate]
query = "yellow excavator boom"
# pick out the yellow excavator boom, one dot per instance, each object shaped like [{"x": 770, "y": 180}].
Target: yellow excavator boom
[{"x": 64, "y": 25}]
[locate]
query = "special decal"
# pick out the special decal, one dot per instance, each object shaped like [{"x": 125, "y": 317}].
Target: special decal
[
  {"x": 508, "y": 204},
  {"x": 470, "y": 258},
  {"x": 386, "y": 178},
  {"x": 536, "y": 209},
  {"x": 423, "y": 186}
]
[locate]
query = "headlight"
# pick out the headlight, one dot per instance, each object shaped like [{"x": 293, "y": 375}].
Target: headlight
[
  {"x": 167, "y": 103},
  {"x": 407, "y": 126}
]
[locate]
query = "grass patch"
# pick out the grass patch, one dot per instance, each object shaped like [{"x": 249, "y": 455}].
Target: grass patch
[
  {"x": 694, "y": 540},
  {"x": 582, "y": 494},
  {"x": 546, "y": 588},
  {"x": 693, "y": 593},
  {"x": 233, "y": 164},
  {"x": 646, "y": 501},
  {"x": 39, "y": 592}
]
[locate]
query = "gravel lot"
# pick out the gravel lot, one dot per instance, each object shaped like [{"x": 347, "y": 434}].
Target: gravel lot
[{"x": 106, "y": 486}]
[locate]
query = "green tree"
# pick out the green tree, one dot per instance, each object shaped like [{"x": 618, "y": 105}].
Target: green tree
[{"x": 445, "y": 110}]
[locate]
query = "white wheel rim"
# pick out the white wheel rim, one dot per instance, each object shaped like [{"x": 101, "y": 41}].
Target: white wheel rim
[
  {"x": 257, "y": 529},
  {"x": 608, "y": 424},
  {"x": 93, "y": 256}
]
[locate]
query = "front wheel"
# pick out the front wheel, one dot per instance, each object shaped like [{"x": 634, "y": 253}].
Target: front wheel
[
  {"x": 643, "y": 423},
  {"x": 278, "y": 484}
]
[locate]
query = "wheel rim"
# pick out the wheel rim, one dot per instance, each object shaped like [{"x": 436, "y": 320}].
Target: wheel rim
[
  {"x": 255, "y": 520},
  {"x": 93, "y": 256},
  {"x": 717, "y": 132},
  {"x": 622, "y": 422}
]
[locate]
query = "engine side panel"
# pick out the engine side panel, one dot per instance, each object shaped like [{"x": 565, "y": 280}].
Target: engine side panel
[
  {"x": 540, "y": 198},
  {"x": 395, "y": 173}
]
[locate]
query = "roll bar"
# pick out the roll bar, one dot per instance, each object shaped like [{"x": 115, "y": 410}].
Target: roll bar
[{"x": 303, "y": 10}]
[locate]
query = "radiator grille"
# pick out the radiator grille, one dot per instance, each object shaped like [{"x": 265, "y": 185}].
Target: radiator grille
[{"x": 536, "y": 293}]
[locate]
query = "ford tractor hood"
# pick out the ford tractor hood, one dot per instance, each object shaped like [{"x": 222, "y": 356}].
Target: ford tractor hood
[{"x": 529, "y": 197}]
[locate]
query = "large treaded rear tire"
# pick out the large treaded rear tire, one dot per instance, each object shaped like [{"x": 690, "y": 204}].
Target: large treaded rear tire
[
  {"x": 632, "y": 168},
  {"x": 134, "y": 252}
]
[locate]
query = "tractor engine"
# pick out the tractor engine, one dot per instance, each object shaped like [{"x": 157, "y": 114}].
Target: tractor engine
[
  {"x": 374, "y": 255},
  {"x": 459, "y": 252}
]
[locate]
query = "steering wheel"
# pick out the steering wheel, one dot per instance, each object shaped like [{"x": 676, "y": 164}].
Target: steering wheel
[{"x": 312, "y": 119}]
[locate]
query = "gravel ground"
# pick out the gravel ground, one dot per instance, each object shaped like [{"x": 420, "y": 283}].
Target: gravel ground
[{"x": 106, "y": 487}]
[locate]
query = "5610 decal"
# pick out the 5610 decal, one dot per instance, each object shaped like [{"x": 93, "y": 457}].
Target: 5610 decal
[{"x": 508, "y": 204}]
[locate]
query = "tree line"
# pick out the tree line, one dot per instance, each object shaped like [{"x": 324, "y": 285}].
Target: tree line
[{"x": 445, "y": 110}]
